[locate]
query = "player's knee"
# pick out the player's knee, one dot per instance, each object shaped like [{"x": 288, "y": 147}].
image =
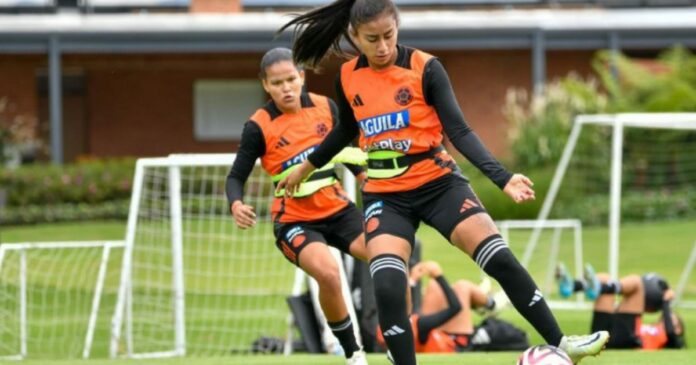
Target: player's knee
[
  {"x": 462, "y": 286},
  {"x": 389, "y": 277},
  {"x": 495, "y": 258},
  {"x": 329, "y": 279}
]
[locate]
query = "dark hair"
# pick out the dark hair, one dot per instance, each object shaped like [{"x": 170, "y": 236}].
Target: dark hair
[
  {"x": 681, "y": 324},
  {"x": 321, "y": 29},
  {"x": 274, "y": 56}
]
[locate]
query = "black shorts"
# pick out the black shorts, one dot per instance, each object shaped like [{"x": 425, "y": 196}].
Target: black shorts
[
  {"x": 338, "y": 230},
  {"x": 441, "y": 203},
  {"x": 623, "y": 328}
]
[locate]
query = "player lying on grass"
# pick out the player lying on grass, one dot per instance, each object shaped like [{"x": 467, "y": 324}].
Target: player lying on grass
[
  {"x": 444, "y": 322},
  {"x": 649, "y": 293}
]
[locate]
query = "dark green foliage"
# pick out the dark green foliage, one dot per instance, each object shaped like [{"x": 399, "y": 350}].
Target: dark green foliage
[
  {"x": 658, "y": 165},
  {"x": 83, "y": 191}
]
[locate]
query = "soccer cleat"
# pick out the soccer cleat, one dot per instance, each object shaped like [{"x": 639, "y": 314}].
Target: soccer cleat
[
  {"x": 486, "y": 285},
  {"x": 578, "y": 347},
  {"x": 565, "y": 281},
  {"x": 592, "y": 284},
  {"x": 358, "y": 358},
  {"x": 501, "y": 301}
]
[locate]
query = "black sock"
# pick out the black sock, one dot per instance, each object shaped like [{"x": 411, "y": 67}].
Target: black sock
[
  {"x": 390, "y": 284},
  {"x": 610, "y": 287},
  {"x": 578, "y": 285},
  {"x": 496, "y": 259},
  {"x": 343, "y": 330}
]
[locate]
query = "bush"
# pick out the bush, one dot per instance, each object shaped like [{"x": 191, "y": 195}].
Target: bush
[
  {"x": 635, "y": 207},
  {"x": 540, "y": 129},
  {"x": 540, "y": 126},
  {"x": 498, "y": 204},
  {"x": 83, "y": 191},
  {"x": 33, "y": 214},
  {"x": 89, "y": 182}
]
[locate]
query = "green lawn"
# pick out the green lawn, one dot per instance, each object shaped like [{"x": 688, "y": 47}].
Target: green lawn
[
  {"x": 663, "y": 248},
  {"x": 607, "y": 358}
]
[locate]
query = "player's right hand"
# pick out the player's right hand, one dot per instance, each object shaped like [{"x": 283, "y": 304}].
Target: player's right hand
[
  {"x": 291, "y": 183},
  {"x": 243, "y": 214}
]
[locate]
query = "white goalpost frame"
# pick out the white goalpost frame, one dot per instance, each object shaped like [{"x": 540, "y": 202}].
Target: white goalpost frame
[
  {"x": 557, "y": 225},
  {"x": 682, "y": 121},
  {"x": 124, "y": 301},
  {"x": 96, "y": 299},
  {"x": 683, "y": 279}
]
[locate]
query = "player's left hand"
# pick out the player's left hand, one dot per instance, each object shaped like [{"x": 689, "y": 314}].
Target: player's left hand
[{"x": 519, "y": 188}]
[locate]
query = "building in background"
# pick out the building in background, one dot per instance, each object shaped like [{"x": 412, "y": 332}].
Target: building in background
[{"x": 108, "y": 78}]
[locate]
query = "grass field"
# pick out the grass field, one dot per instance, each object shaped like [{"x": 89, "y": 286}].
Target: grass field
[
  {"x": 663, "y": 248},
  {"x": 506, "y": 358}
]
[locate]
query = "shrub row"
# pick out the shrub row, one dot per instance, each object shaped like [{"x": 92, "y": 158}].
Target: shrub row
[
  {"x": 88, "y": 182},
  {"x": 33, "y": 214}
]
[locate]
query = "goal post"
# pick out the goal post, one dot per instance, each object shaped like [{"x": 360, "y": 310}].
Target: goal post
[
  {"x": 51, "y": 294},
  {"x": 659, "y": 164},
  {"x": 192, "y": 283}
]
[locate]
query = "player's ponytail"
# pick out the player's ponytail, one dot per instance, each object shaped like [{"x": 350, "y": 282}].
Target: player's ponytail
[{"x": 320, "y": 30}]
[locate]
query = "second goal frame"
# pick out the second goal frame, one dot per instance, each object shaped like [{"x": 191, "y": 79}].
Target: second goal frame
[{"x": 618, "y": 122}]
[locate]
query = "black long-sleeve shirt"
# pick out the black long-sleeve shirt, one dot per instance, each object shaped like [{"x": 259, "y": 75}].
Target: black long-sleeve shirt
[
  {"x": 673, "y": 341},
  {"x": 252, "y": 147},
  {"x": 438, "y": 93},
  {"x": 429, "y": 322}
]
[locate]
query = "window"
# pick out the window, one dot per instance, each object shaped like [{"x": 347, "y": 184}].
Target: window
[{"x": 221, "y": 107}]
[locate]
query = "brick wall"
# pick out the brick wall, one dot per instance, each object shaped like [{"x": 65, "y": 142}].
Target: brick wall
[
  {"x": 216, "y": 6},
  {"x": 143, "y": 104}
]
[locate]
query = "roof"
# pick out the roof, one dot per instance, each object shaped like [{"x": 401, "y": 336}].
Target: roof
[{"x": 143, "y": 32}]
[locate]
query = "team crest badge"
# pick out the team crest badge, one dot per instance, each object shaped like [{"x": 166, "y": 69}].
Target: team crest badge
[
  {"x": 322, "y": 129},
  {"x": 403, "y": 96}
]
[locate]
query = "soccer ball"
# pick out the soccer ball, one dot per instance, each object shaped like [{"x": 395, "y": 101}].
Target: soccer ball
[{"x": 544, "y": 355}]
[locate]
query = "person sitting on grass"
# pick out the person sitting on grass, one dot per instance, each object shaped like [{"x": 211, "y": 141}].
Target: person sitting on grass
[
  {"x": 444, "y": 321},
  {"x": 649, "y": 293}
]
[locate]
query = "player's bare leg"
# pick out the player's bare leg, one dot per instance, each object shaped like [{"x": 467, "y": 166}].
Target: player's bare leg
[
  {"x": 358, "y": 249},
  {"x": 318, "y": 262}
]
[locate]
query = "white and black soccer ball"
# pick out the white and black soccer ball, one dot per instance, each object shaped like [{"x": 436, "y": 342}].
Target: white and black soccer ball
[{"x": 544, "y": 355}]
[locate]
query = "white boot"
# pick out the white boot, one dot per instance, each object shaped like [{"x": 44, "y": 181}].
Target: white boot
[
  {"x": 577, "y": 347},
  {"x": 358, "y": 358}
]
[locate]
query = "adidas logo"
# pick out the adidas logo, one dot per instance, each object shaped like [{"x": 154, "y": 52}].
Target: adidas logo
[
  {"x": 393, "y": 331},
  {"x": 357, "y": 101},
  {"x": 468, "y": 204},
  {"x": 537, "y": 297},
  {"x": 282, "y": 143}
]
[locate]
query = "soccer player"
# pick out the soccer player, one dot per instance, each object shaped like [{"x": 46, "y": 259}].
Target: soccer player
[
  {"x": 282, "y": 133},
  {"x": 649, "y": 293},
  {"x": 444, "y": 322},
  {"x": 398, "y": 100}
]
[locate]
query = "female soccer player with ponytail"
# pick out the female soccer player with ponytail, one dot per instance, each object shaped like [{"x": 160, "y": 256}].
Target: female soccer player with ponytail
[
  {"x": 399, "y": 100},
  {"x": 282, "y": 133}
]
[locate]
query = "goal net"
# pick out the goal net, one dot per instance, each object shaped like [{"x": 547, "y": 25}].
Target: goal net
[
  {"x": 56, "y": 298},
  {"x": 192, "y": 282},
  {"x": 560, "y": 241},
  {"x": 631, "y": 180}
]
